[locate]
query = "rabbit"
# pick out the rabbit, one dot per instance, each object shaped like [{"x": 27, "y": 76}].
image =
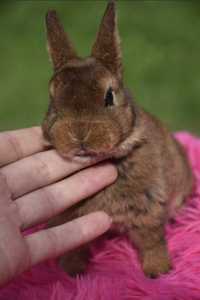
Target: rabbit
[{"x": 92, "y": 115}]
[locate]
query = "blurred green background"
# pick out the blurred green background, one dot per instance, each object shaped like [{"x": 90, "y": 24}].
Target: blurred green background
[{"x": 161, "y": 49}]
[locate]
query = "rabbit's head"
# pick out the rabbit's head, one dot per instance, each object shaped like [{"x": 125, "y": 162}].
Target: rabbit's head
[{"x": 89, "y": 112}]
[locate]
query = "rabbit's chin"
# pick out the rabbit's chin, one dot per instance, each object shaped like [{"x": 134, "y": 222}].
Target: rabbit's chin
[{"x": 98, "y": 157}]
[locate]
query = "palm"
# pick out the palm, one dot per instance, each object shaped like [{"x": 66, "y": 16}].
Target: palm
[{"x": 15, "y": 254}]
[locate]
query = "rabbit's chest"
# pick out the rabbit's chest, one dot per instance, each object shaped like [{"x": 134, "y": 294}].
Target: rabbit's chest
[{"x": 122, "y": 201}]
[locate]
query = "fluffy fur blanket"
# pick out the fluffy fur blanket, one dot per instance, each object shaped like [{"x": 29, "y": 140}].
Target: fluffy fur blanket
[{"x": 114, "y": 272}]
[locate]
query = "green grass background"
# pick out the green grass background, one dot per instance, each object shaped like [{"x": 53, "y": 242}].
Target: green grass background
[{"x": 161, "y": 50}]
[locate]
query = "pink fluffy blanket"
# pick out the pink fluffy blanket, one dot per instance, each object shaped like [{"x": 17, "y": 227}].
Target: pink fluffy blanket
[{"x": 114, "y": 272}]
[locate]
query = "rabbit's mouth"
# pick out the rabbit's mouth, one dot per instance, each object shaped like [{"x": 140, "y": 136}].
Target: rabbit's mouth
[{"x": 81, "y": 155}]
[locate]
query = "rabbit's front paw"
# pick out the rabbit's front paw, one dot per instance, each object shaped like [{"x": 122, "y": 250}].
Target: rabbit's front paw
[
  {"x": 73, "y": 267},
  {"x": 75, "y": 262}
]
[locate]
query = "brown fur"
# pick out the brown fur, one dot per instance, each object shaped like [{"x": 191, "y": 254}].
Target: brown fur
[{"x": 154, "y": 174}]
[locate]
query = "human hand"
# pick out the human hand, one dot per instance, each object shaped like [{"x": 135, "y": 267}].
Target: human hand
[{"x": 33, "y": 188}]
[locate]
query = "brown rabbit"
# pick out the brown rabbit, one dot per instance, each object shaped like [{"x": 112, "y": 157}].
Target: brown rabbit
[{"x": 92, "y": 115}]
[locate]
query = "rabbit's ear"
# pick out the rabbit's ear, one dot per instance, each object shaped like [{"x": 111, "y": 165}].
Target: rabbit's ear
[
  {"x": 59, "y": 47},
  {"x": 107, "y": 46}
]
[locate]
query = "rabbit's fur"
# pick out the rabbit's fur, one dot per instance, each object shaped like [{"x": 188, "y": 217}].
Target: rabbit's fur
[{"x": 154, "y": 174}]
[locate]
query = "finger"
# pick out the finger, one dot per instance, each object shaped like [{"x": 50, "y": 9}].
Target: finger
[
  {"x": 41, "y": 205},
  {"x": 5, "y": 196},
  {"x": 39, "y": 170},
  {"x": 55, "y": 241},
  {"x": 18, "y": 144}
]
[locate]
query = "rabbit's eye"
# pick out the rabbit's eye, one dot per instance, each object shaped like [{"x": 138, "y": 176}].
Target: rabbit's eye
[{"x": 109, "y": 99}]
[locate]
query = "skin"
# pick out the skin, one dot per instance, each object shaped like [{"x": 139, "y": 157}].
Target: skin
[{"x": 32, "y": 176}]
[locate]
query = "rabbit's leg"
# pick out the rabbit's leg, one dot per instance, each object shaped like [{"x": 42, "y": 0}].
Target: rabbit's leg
[
  {"x": 76, "y": 261},
  {"x": 152, "y": 250}
]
